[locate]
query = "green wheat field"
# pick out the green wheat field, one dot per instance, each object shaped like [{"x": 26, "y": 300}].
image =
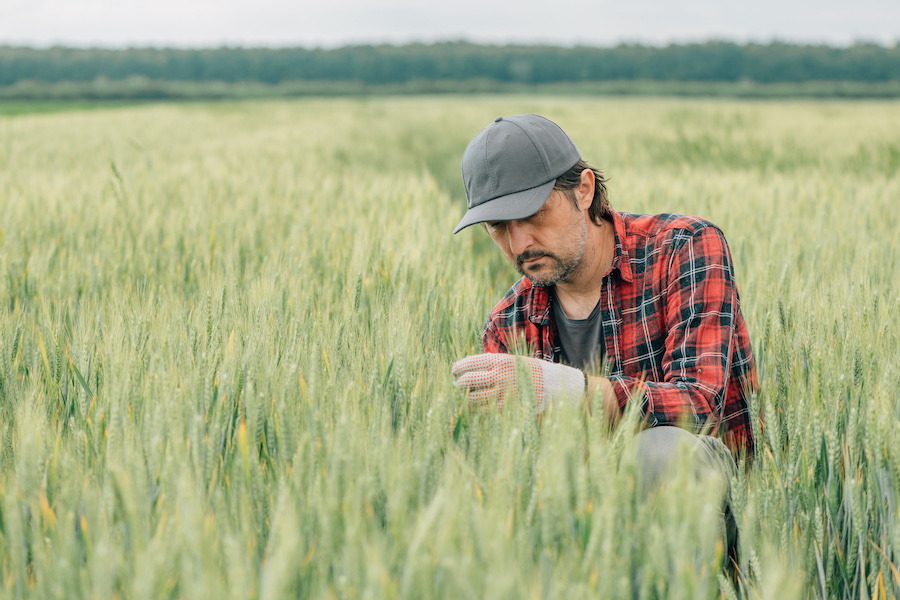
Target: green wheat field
[{"x": 226, "y": 333}]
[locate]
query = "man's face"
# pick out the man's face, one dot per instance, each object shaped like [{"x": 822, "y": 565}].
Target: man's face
[{"x": 548, "y": 246}]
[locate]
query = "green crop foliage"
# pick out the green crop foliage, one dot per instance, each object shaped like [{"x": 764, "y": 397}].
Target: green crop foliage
[{"x": 226, "y": 333}]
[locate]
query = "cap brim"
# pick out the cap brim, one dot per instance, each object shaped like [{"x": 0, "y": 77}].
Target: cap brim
[{"x": 518, "y": 205}]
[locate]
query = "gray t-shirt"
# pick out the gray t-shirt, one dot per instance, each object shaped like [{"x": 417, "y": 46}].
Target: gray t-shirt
[{"x": 581, "y": 339}]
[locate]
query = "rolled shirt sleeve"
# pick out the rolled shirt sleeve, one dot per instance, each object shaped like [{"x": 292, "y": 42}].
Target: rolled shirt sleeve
[{"x": 700, "y": 307}]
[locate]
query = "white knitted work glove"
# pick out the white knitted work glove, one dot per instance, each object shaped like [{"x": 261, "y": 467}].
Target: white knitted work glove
[{"x": 490, "y": 380}]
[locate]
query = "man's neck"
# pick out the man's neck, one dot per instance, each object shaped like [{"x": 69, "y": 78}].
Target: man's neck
[{"x": 579, "y": 294}]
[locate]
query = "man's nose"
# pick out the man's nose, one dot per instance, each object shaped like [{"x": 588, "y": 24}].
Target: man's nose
[{"x": 519, "y": 237}]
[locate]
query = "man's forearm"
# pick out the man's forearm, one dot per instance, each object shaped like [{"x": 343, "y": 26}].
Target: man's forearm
[{"x": 601, "y": 389}]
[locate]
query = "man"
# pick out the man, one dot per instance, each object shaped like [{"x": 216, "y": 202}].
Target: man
[{"x": 615, "y": 308}]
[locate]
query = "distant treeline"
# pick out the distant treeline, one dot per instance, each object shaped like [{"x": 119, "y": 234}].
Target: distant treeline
[{"x": 459, "y": 61}]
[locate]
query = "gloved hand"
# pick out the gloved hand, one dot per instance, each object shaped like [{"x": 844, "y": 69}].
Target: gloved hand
[{"x": 490, "y": 380}]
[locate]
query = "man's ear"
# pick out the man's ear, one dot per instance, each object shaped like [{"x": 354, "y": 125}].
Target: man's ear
[{"x": 584, "y": 191}]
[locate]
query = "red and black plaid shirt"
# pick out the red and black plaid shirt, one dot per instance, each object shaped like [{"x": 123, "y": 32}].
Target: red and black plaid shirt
[{"x": 672, "y": 326}]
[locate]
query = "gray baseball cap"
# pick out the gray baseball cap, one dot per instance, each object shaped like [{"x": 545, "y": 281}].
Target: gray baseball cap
[{"x": 510, "y": 167}]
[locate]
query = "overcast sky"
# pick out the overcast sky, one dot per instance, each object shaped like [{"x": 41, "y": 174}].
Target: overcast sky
[{"x": 338, "y": 22}]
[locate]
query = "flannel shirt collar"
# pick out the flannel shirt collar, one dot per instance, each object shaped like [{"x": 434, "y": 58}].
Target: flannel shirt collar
[
  {"x": 539, "y": 297},
  {"x": 621, "y": 260},
  {"x": 539, "y": 300}
]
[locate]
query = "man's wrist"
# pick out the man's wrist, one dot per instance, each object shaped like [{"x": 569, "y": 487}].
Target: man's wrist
[{"x": 600, "y": 390}]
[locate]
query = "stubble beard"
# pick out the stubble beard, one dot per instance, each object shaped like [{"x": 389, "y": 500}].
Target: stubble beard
[{"x": 561, "y": 266}]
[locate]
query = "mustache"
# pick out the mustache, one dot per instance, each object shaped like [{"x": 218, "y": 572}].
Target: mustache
[{"x": 530, "y": 254}]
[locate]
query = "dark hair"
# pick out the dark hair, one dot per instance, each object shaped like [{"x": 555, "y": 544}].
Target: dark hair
[{"x": 572, "y": 178}]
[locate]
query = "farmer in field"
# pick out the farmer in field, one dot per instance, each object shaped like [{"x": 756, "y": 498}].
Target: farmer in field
[{"x": 615, "y": 307}]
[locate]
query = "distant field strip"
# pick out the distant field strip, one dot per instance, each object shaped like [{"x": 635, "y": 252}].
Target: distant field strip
[{"x": 142, "y": 89}]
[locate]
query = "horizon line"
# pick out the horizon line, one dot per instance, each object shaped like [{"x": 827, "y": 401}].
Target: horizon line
[{"x": 660, "y": 44}]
